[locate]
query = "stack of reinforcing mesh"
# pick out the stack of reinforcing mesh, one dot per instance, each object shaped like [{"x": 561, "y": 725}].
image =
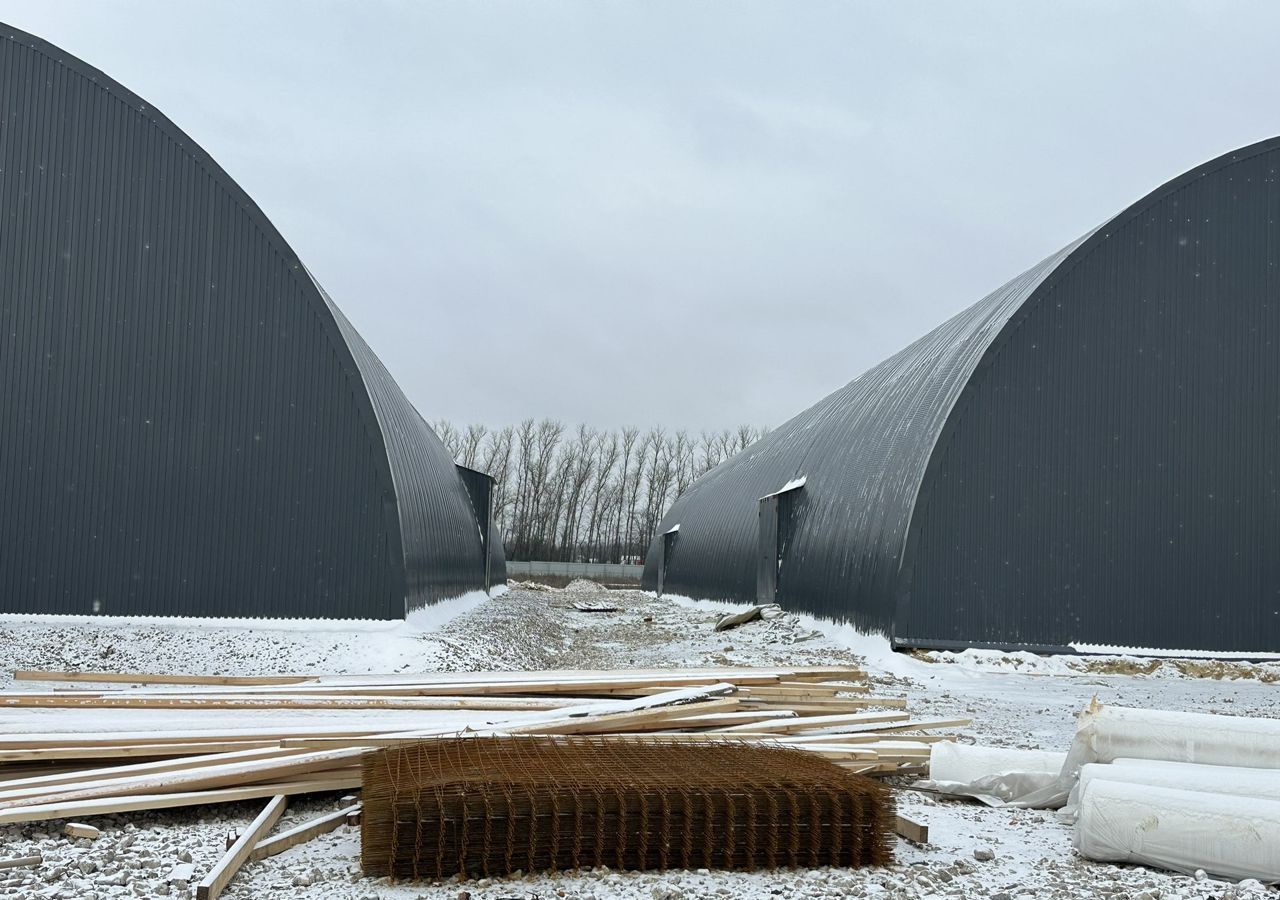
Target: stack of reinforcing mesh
[{"x": 494, "y": 805}]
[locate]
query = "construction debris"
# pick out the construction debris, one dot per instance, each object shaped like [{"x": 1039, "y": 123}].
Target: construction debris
[
  {"x": 306, "y": 831},
  {"x": 238, "y": 853},
  {"x": 916, "y": 832},
  {"x": 1181, "y": 791},
  {"x": 77, "y": 830},
  {"x": 134, "y": 742},
  {"x": 21, "y": 862},
  {"x": 495, "y": 805},
  {"x": 583, "y": 606},
  {"x": 762, "y": 611}
]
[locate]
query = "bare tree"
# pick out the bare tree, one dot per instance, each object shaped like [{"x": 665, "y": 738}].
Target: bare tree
[
  {"x": 471, "y": 441},
  {"x": 592, "y": 496},
  {"x": 448, "y": 436}
]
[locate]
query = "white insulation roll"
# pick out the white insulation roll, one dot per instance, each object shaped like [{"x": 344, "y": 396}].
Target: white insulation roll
[
  {"x": 1263, "y": 784},
  {"x": 994, "y": 775},
  {"x": 1226, "y": 835},
  {"x": 949, "y": 761},
  {"x": 1107, "y": 733}
]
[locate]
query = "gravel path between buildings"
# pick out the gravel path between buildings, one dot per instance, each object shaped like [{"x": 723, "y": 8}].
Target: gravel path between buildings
[{"x": 1014, "y": 700}]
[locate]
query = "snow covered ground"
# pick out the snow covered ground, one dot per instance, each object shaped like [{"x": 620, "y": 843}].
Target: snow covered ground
[{"x": 1015, "y": 700}]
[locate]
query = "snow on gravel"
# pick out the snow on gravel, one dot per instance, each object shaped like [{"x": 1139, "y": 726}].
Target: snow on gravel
[{"x": 1015, "y": 700}]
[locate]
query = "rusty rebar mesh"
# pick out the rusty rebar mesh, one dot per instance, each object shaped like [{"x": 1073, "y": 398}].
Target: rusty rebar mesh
[{"x": 495, "y": 805}]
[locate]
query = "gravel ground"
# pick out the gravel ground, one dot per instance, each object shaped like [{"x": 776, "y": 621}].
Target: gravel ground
[{"x": 974, "y": 851}]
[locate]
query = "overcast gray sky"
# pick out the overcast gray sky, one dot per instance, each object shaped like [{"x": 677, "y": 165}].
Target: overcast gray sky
[{"x": 691, "y": 214}]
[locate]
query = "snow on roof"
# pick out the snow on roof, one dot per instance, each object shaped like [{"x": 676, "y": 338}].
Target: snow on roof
[{"x": 791, "y": 485}]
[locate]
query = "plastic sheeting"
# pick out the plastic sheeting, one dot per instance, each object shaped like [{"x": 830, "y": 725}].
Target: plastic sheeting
[
  {"x": 1263, "y": 784},
  {"x": 994, "y": 775},
  {"x": 1108, "y": 733},
  {"x": 1226, "y": 835}
]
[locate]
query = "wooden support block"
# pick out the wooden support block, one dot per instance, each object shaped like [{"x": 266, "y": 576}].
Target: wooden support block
[
  {"x": 77, "y": 830},
  {"x": 304, "y": 832},
  {"x": 21, "y": 861},
  {"x": 229, "y": 839},
  {"x": 916, "y": 832},
  {"x": 235, "y": 857}
]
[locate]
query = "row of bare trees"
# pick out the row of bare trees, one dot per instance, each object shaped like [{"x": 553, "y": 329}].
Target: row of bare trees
[{"x": 586, "y": 495}]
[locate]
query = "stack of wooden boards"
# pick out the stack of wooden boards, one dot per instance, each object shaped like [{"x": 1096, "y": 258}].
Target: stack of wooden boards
[{"x": 139, "y": 742}]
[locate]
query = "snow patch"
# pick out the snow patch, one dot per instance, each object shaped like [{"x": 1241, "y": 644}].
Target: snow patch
[
  {"x": 1113, "y": 650},
  {"x": 437, "y": 615}
]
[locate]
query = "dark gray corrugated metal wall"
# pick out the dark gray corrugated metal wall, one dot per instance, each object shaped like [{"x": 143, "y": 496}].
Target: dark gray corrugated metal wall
[
  {"x": 1105, "y": 475},
  {"x": 443, "y": 554},
  {"x": 1110, "y": 475},
  {"x": 862, "y": 451},
  {"x": 184, "y": 428}
]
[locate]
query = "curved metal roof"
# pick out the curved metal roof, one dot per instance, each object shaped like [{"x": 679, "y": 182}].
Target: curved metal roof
[
  {"x": 862, "y": 450},
  {"x": 151, "y": 229},
  {"x": 866, "y": 452}
]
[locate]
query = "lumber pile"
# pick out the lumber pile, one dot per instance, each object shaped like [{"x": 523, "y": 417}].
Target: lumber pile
[
  {"x": 495, "y": 805},
  {"x": 78, "y": 744}
]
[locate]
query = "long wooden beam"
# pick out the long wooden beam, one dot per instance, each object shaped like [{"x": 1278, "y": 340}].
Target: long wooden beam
[
  {"x": 81, "y": 809},
  {"x": 302, "y": 833},
  {"x": 211, "y": 886},
  {"x": 146, "y": 678},
  {"x": 206, "y": 778}
]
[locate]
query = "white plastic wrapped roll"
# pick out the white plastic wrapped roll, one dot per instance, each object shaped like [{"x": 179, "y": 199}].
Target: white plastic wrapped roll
[
  {"x": 1237, "y": 780},
  {"x": 1116, "y": 732},
  {"x": 949, "y": 761},
  {"x": 1107, "y": 733},
  {"x": 1231, "y": 836},
  {"x": 994, "y": 775}
]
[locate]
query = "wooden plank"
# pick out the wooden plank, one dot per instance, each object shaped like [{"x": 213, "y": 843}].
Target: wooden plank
[
  {"x": 108, "y": 805},
  {"x": 206, "y": 778},
  {"x": 142, "y": 678},
  {"x": 799, "y": 723},
  {"x": 136, "y": 751},
  {"x": 820, "y": 707},
  {"x": 304, "y": 832},
  {"x": 20, "y": 862},
  {"x": 890, "y": 727},
  {"x": 14, "y": 787},
  {"x": 225, "y": 869},
  {"x": 618, "y": 721},
  {"x": 183, "y": 701},
  {"x": 132, "y": 738},
  {"x": 916, "y": 832}
]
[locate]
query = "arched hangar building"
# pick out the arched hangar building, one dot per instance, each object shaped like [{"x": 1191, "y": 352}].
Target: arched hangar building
[
  {"x": 1088, "y": 456},
  {"x": 188, "y": 424}
]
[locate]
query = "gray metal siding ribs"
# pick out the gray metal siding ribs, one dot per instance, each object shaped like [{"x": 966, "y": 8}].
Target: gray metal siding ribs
[
  {"x": 184, "y": 426},
  {"x": 862, "y": 450},
  {"x": 1109, "y": 476},
  {"x": 442, "y": 551},
  {"x": 1084, "y": 456}
]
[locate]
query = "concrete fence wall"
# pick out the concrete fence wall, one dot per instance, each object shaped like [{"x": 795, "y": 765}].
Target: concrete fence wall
[{"x": 517, "y": 568}]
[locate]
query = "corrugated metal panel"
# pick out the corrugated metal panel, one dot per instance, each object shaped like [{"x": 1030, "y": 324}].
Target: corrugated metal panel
[
  {"x": 183, "y": 426},
  {"x": 862, "y": 451},
  {"x": 1105, "y": 427},
  {"x": 442, "y": 551},
  {"x": 1109, "y": 475}
]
